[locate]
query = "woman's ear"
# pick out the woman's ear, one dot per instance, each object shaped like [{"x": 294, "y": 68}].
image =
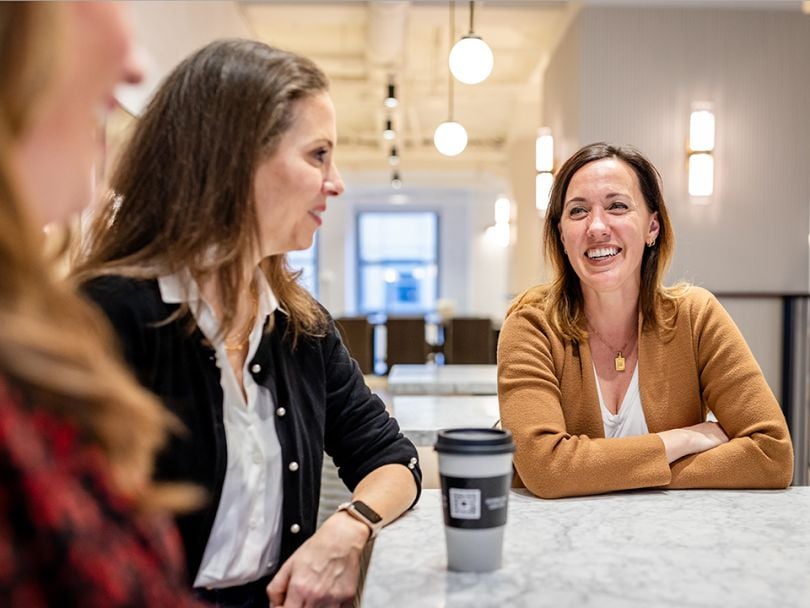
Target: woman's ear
[{"x": 655, "y": 227}]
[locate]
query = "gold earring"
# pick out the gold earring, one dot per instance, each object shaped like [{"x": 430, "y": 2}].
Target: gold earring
[{"x": 651, "y": 243}]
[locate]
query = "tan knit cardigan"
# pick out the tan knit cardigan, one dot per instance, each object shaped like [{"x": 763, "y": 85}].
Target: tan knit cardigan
[{"x": 548, "y": 399}]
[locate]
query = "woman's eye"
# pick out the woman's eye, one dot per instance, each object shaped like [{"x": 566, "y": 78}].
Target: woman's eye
[
  {"x": 618, "y": 206},
  {"x": 320, "y": 154},
  {"x": 576, "y": 211}
]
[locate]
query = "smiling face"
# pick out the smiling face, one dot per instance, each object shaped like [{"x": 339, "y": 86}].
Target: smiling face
[
  {"x": 291, "y": 187},
  {"x": 605, "y": 226},
  {"x": 56, "y": 154}
]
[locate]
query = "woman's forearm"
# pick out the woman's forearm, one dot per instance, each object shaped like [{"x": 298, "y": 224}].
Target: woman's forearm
[
  {"x": 389, "y": 490},
  {"x": 692, "y": 440}
]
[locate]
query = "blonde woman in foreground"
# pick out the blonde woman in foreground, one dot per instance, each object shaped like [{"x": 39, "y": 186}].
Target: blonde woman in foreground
[
  {"x": 78, "y": 522},
  {"x": 606, "y": 377}
]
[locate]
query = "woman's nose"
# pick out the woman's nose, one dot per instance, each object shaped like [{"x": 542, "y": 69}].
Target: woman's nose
[
  {"x": 597, "y": 225},
  {"x": 133, "y": 72},
  {"x": 333, "y": 184}
]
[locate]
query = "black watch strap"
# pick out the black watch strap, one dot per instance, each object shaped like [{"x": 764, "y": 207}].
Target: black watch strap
[{"x": 362, "y": 512}]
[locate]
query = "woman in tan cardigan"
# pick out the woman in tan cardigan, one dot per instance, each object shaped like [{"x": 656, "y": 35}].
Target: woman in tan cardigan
[{"x": 606, "y": 377}]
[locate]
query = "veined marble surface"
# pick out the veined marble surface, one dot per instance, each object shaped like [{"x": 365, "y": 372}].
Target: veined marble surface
[
  {"x": 430, "y": 379},
  {"x": 701, "y": 548},
  {"x": 421, "y": 416}
]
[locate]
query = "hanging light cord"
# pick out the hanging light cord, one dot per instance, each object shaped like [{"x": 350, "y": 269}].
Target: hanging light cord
[
  {"x": 449, "y": 73},
  {"x": 472, "y": 11}
]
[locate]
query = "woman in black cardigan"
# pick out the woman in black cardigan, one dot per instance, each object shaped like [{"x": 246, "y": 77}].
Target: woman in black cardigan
[{"x": 229, "y": 168}]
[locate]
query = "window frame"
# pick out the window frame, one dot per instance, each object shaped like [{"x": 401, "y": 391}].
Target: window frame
[{"x": 361, "y": 263}]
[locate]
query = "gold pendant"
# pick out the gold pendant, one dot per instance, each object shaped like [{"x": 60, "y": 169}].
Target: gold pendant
[{"x": 618, "y": 362}]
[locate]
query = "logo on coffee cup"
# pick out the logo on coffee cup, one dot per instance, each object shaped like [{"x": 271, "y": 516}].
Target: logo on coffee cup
[
  {"x": 475, "y": 502},
  {"x": 465, "y": 504}
]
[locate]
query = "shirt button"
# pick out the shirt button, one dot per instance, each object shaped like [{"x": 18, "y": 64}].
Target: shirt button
[
  {"x": 280, "y": 411},
  {"x": 252, "y": 523},
  {"x": 411, "y": 466},
  {"x": 295, "y": 528},
  {"x": 257, "y": 457},
  {"x": 255, "y": 368},
  {"x": 413, "y": 460},
  {"x": 293, "y": 466}
]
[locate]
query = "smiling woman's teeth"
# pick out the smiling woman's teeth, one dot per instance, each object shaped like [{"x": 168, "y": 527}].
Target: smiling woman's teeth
[{"x": 602, "y": 253}]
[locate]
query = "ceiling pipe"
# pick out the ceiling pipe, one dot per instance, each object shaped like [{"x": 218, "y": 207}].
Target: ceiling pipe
[{"x": 386, "y": 34}]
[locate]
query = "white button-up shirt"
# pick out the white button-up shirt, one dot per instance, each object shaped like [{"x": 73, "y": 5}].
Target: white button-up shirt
[{"x": 245, "y": 539}]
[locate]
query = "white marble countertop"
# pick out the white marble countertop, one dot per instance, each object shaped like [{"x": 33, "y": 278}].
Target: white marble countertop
[
  {"x": 704, "y": 548},
  {"x": 430, "y": 379},
  {"x": 421, "y": 416}
]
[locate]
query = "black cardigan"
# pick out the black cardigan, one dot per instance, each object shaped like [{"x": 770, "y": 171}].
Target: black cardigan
[{"x": 322, "y": 404}]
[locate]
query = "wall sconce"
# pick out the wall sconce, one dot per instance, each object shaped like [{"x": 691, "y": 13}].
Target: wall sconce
[
  {"x": 388, "y": 130},
  {"x": 500, "y": 233},
  {"x": 544, "y": 165},
  {"x": 391, "y": 95},
  {"x": 503, "y": 210},
  {"x": 393, "y": 157},
  {"x": 701, "y": 150},
  {"x": 471, "y": 59}
]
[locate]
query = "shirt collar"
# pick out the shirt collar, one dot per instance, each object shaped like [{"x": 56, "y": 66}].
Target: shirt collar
[{"x": 181, "y": 287}]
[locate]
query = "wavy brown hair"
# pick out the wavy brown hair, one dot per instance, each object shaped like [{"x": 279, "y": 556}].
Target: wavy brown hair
[
  {"x": 55, "y": 351},
  {"x": 563, "y": 296},
  {"x": 184, "y": 182}
]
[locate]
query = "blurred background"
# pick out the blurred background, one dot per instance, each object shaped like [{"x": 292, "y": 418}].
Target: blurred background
[{"x": 715, "y": 93}]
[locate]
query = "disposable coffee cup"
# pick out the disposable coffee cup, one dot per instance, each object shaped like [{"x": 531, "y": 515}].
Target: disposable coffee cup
[{"x": 475, "y": 467}]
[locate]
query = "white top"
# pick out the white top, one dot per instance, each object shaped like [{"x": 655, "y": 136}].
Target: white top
[
  {"x": 245, "y": 539},
  {"x": 629, "y": 420}
]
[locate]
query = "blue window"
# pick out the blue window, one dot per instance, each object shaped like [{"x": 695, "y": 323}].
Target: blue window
[
  {"x": 306, "y": 261},
  {"x": 398, "y": 266}
]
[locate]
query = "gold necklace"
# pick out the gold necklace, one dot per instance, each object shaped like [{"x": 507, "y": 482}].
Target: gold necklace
[
  {"x": 240, "y": 340},
  {"x": 619, "y": 363}
]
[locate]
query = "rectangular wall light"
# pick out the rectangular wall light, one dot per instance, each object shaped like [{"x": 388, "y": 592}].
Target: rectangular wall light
[{"x": 701, "y": 149}]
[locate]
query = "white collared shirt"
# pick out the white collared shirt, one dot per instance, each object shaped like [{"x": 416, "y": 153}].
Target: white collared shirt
[
  {"x": 245, "y": 540},
  {"x": 629, "y": 419}
]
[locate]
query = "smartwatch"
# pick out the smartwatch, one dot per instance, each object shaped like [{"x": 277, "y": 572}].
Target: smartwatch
[{"x": 362, "y": 512}]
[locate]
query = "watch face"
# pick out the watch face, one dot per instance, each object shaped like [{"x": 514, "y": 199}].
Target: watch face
[{"x": 367, "y": 512}]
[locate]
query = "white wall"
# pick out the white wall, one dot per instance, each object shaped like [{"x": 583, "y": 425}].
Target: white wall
[
  {"x": 167, "y": 32},
  {"x": 472, "y": 272}
]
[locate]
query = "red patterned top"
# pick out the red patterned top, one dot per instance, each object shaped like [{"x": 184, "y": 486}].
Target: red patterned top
[{"x": 66, "y": 537}]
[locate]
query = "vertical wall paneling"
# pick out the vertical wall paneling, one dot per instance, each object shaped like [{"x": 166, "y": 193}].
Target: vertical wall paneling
[{"x": 641, "y": 69}]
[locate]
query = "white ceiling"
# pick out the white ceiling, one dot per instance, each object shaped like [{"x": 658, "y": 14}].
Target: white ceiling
[{"x": 361, "y": 44}]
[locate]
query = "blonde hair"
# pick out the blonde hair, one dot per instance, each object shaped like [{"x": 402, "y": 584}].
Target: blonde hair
[
  {"x": 55, "y": 350},
  {"x": 184, "y": 183}
]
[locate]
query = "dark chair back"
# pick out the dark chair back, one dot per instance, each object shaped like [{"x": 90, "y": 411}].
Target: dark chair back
[
  {"x": 358, "y": 336},
  {"x": 406, "y": 340},
  {"x": 469, "y": 340}
]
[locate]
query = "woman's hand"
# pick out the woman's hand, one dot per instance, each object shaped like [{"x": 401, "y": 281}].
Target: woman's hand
[
  {"x": 692, "y": 439},
  {"x": 323, "y": 572}
]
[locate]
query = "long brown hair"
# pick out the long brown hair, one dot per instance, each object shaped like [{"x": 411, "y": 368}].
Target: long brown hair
[
  {"x": 55, "y": 351},
  {"x": 563, "y": 297},
  {"x": 184, "y": 183}
]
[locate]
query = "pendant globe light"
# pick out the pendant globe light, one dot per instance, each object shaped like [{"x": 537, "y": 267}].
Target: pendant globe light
[
  {"x": 450, "y": 137},
  {"x": 471, "y": 59}
]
